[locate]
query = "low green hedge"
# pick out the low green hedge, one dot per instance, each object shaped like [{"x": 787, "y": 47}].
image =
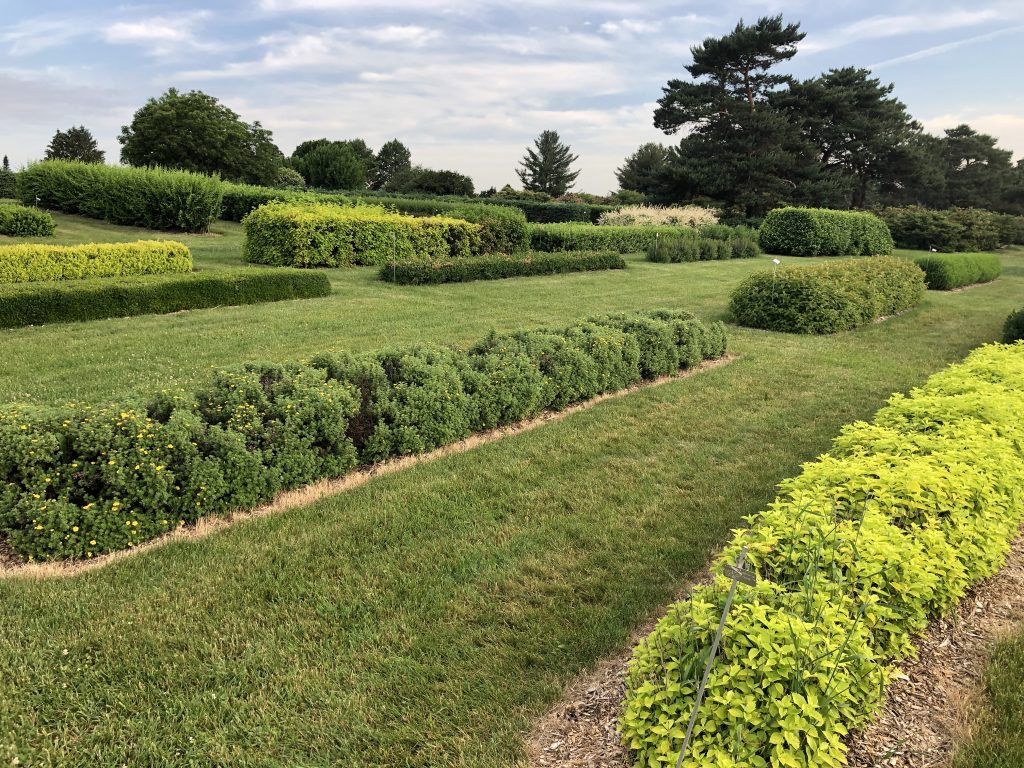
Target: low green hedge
[
  {"x": 322, "y": 235},
  {"x": 952, "y": 230},
  {"x": 144, "y": 197},
  {"x": 1013, "y": 328},
  {"x": 824, "y": 232},
  {"x": 854, "y": 557},
  {"x": 946, "y": 271},
  {"x": 80, "y": 480},
  {"x": 21, "y": 221},
  {"x": 662, "y": 242},
  {"x": 825, "y": 298},
  {"x": 502, "y": 229},
  {"x": 26, "y": 262},
  {"x": 498, "y": 267},
  {"x": 77, "y": 300},
  {"x": 712, "y": 243}
]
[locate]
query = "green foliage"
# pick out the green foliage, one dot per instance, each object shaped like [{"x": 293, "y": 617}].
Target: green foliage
[
  {"x": 21, "y": 221},
  {"x": 431, "y": 182},
  {"x": 393, "y": 159},
  {"x": 714, "y": 242},
  {"x": 145, "y": 197},
  {"x": 644, "y": 170},
  {"x": 826, "y": 298},
  {"x": 498, "y": 267},
  {"x": 74, "y": 144},
  {"x": 855, "y": 556},
  {"x": 331, "y": 165},
  {"x": 1013, "y": 328},
  {"x": 95, "y": 299},
  {"x": 8, "y": 183},
  {"x": 195, "y": 132},
  {"x": 547, "y": 166},
  {"x": 654, "y": 240},
  {"x": 289, "y": 178},
  {"x": 502, "y": 229},
  {"x": 323, "y": 235},
  {"x": 34, "y": 261},
  {"x": 824, "y": 232},
  {"x": 955, "y": 229},
  {"x": 76, "y": 481},
  {"x": 946, "y": 271}
]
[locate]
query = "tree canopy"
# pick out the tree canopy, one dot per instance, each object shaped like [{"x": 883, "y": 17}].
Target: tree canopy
[
  {"x": 76, "y": 143},
  {"x": 547, "y": 166}
]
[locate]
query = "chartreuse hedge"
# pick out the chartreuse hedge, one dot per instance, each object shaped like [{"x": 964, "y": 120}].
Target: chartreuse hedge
[
  {"x": 144, "y": 197},
  {"x": 80, "y": 480},
  {"x": 946, "y": 271},
  {"x": 853, "y": 558},
  {"x": 21, "y": 221},
  {"x": 824, "y": 232},
  {"x": 324, "y": 235},
  {"x": 39, "y": 303},
  {"x": 498, "y": 267},
  {"x": 34, "y": 261},
  {"x": 826, "y": 298}
]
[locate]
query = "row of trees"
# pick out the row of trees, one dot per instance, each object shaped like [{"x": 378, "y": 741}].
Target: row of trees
[{"x": 756, "y": 139}]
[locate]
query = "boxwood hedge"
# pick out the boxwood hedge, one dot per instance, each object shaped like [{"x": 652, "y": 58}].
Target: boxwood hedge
[
  {"x": 498, "y": 267},
  {"x": 664, "y": 243},
  {"x": 502, "y": 229},
  {"x": 25, "y": 262},
  {"x": 80, "y": 480},
  {"x": 953, "y": 229},
  {"x": 96, "y": 299},
  {"x": 946, "y": 271},
  {"x": 853, "y": 558},
  {"x": 21, "y": 221},
  {"x": 825, "y": 298},
  {"x": 824, "y": 232}
]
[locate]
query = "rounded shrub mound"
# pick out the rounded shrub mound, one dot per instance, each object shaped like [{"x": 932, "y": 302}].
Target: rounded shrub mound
[
  {"x": 946, "y": 271},
  {"x": 20, "y": 221},
  {"x": 824, "y": 232},
  {"x": 1013, "y": 329}
]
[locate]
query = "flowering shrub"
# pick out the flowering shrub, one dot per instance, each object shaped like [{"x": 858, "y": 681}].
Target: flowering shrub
[{"x": 692, "y": 216}]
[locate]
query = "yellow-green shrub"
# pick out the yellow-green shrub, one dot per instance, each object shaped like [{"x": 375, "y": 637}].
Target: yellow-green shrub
[
  {"x": 855, "y": 555},
  {"x": 27, "y": 262}
]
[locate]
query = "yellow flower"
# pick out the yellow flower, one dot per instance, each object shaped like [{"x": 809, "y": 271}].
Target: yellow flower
[{"x": 74, "y": 528}]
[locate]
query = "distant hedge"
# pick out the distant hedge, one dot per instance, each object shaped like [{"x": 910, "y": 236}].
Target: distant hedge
[
  {"x": 713, "y": 243},
  {"x": 21, "y": 221},
  {"x": 80, "y": 480},
  {"x": 946, "y": 271},
  {"x": 654, "y": 240},
  {"x": 321, "y": 235},
  {"x": 8, "y": 184},
  {"x": 498, "y": 267},
  {"x": 96, "y": 299},
  {"x": 824, "y": 232},
  {"x": 826, "y": 298},
  {"x": 25, "y": 262},
  {"x": 1013, "y": 328},
  {"x": 144, "y": 197},
  {"x": 952, "y": 230}
]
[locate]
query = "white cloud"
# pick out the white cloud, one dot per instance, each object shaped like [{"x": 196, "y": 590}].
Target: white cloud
[
  {"x": 35, "y": 35},
  {"x": 161, "y": 35},
  {"x": 877, "y": 27},
  {"x": 936, "y": 50},
  {"x": 1008, "y": 128}
]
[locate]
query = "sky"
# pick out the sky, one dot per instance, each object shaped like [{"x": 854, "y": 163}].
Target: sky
[{"x": 468, "y": 84}]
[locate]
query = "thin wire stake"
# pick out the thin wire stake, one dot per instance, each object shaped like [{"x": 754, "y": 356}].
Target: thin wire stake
[{"x": 714, "y": 650}]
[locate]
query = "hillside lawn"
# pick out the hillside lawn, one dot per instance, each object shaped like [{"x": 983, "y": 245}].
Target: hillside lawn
[{"x": 427, "y": 617}]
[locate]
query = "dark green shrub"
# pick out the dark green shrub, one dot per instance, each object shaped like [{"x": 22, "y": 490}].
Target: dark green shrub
[
  {"x": 322, "y": 235},
  {"x": 588, "y": 237},
  {"x": 1013, "y": 329},
  {"x": 144, "y": 197},
  {"x": 499, "y": 267},
  {"x": 824, "y": 232},
  {"x": 952, "y": 230},
  {"x": 8, "y": 184},
  {"x": 26, "y": 262},
  {"x": 719, "y": 242},
  {"x": 825, "y": 298},
  {"x": 502, "y": 229},
  {"x": 95, "y": 299},
  {"x": 946, "y": 271},
  {"x": 20, "y": 221},
  {"x": 1011, "y": 229}
]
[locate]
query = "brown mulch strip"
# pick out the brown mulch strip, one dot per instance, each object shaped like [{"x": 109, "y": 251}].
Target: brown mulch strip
[{"x": 930, "y": 708}]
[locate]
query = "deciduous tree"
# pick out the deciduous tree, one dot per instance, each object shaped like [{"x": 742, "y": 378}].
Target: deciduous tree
[{"x": 75, "y": 143}]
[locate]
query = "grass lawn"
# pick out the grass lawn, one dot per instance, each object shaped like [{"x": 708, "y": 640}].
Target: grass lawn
[
  {"x": 999, "y": 741},
  {"x": 425, "y": 618}
]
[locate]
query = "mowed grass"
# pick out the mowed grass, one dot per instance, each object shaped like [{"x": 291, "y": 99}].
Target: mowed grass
[
  {"x": 999, "y": 739},
  {"x": 426, "y": 618}
]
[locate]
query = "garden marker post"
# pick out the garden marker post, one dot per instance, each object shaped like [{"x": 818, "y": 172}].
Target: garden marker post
[{"x": 737, "y": 574}]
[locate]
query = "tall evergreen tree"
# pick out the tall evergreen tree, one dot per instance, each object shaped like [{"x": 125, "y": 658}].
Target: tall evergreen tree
[
  {"x": 978, "y": 172},
  {"x": 547, "y": 166},
  {"x": 393, "y": 158},
  {"x": 644, "y": 170},
  {"x": 75, "y": 143},
  {"x": 7, "y": 164}
]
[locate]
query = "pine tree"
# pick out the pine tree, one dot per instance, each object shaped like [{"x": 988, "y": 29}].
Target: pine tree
[
  {"x": 643, "y": 171},
  {"x": 546, "y": 166},
  {"x": 7, "y": 163},
  {"x": 393, "y": 159},
  {"x": 76, "y": 143}
]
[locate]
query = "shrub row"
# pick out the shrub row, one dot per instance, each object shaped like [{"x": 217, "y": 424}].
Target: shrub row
[
  {"x": 24, "y": 262},
  {"x": 945, "y": 271},
  {"x": 824, "y": 232},
  {"x": 955, "y": 229},
  {"x": 693, "y": 216},
  {"x": 631, "y": 239},
  {"x": 740, "y": 245},
  {"x": 825, "y": 298},
  {"x": 498, "y": 267},
  {"x": 8, "y": 184},
  {"x": 145, "y": 197},
  {"x": 79, "y": 480},
  {"x": 502, "y": 229},
  {"x": 321, "y": 235},
  {"x": 1013, "y": 328},
  {"x": 78, "y": 300},
  {"x": 851, "y": 560},
  {"x": 21, "y": 221}
]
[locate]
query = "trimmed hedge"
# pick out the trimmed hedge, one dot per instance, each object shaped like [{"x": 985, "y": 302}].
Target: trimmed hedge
[
  {"x": 853, "y": 558},
  {"x": 946, "y": 271},
  {"x": 717, "y": 242},
  {"x": 144, "y": 197},
  {"x": 826, "y": 298},
  {"x": 241, "y": 199},
  {"x": 498, "y": 267},
  {"x": 1013, "y": 328},
  {"x": 824, "y": 232},
  {"x": 80, "y": 480},
  {"x": 26, "y": 262},
  {"x": 72, "y": 301},
  {"x": 21, "y": 221},
  {"x": 952, "y": 230},
  {"x": 502, "y": 229},
  {"x": 653, "y": 240},
  {"x": 321, "y": 235}
]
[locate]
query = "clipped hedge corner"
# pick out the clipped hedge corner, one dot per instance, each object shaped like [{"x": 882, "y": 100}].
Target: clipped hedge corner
[{"x": 824, "y": 232}]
